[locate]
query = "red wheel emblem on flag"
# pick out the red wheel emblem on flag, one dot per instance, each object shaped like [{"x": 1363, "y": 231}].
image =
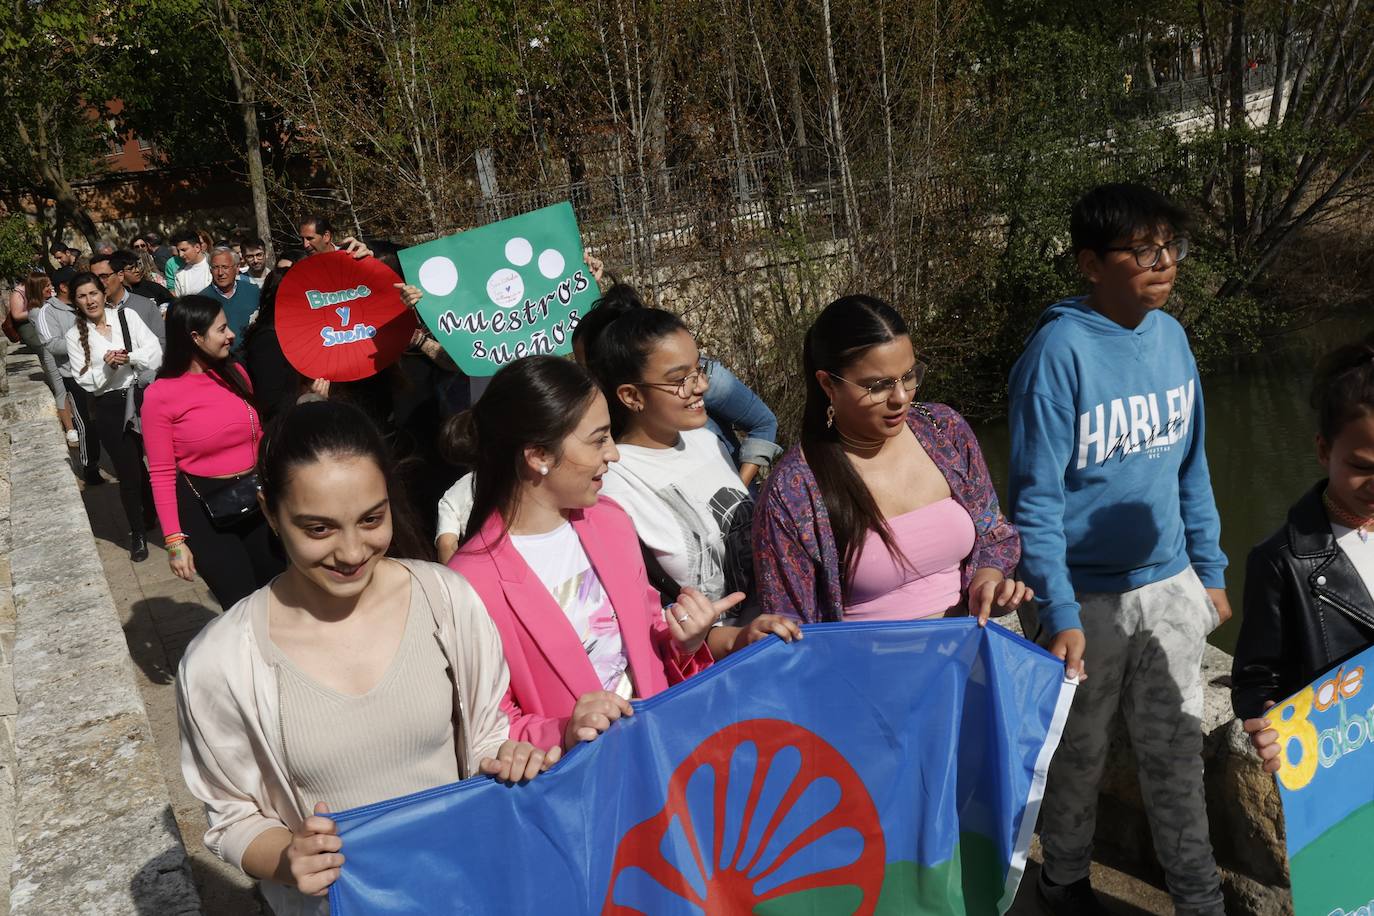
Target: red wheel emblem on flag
[{"x": 761, "y": 810}]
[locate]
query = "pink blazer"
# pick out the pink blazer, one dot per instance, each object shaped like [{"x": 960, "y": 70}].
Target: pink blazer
[{"x": 549, "y": 669}]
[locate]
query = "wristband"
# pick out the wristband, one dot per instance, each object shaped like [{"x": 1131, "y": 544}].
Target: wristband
[{"x": 174, "y": 539}]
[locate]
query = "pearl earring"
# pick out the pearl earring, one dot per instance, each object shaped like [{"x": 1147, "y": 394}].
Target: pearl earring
[
  {"x": 544, "y": 470},
  {"x": 830, "y": 416}
]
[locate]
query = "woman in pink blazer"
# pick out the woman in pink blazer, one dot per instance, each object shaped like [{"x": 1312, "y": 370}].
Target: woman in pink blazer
[{"x": 558, "y": 567}]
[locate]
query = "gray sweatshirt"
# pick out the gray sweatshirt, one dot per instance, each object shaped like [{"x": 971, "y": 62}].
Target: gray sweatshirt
[{"x": 54, "y": 320}]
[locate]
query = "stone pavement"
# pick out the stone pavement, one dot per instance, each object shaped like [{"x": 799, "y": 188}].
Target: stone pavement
[{"x": 161, "y": 614}]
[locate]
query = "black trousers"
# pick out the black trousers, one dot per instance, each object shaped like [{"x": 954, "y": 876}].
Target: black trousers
[
  {"x": 80, "y": 400},
  {"x": 126, "y": 452},
  {"x": 234, "y": 561}
]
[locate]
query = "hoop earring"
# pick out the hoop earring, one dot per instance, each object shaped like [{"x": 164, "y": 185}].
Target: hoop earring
[{"x": 830, "y": 416}]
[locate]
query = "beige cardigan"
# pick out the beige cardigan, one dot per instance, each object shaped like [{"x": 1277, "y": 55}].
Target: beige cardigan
[{"x": 232, "y": 755}]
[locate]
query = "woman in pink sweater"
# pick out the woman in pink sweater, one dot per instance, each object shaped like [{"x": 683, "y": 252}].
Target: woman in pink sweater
[{"x": 201, "y": 434}]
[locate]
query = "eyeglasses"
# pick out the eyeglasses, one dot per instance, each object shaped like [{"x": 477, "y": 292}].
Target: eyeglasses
[
  {"x": 141, "y": 246},
  {"x": 103, "y": 277},
  {"x": 882, "y": 389},
  {"x": 1147, "y": 256},
  {"x": 685, "y": 387}
]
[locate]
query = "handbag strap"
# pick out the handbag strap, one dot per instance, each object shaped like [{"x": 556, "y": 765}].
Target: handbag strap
[
  {"x": 252, "y": 432},
  {"x": 252, "y": 415},
  {"x": 124, "y": 329}
]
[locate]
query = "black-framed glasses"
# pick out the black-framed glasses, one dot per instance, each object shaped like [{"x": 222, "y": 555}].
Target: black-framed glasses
[
  {"x": 686, "y": 386},
  {"x": 1147, "y": 256},
  {"x": 882, "y": 389}
]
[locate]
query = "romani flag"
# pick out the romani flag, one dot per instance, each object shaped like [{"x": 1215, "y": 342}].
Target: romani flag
[{"x": 869, "y": 768}]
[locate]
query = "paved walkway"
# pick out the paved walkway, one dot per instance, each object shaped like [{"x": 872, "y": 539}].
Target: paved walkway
[{"x": 161, "y": 614}]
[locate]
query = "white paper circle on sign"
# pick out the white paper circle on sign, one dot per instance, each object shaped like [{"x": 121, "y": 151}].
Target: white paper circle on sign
[
  {"x": 551, "y": 264},
  {"x": 438, "y": 276},
  {"x": 519, "y": 251},
  {"x": 505, "y": 287}
]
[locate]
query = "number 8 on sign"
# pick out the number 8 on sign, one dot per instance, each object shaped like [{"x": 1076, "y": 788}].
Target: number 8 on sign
[{"x": 1290, "y": 720}]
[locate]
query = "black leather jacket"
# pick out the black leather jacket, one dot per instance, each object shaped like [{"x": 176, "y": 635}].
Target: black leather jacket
[{"x": 1306, "y": 609}]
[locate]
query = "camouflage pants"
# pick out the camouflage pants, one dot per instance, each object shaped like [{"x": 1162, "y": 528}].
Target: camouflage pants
[{"x": 1144, "y": 656}]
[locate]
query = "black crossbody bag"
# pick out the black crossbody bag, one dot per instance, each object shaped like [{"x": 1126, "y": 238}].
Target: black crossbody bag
[{"x": 230, "y": 505}]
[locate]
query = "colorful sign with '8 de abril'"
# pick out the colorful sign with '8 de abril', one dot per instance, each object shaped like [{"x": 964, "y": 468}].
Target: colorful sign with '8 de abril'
[
  {"x": 501, "y": 292},
  {"x": 1326, "y": 781}
]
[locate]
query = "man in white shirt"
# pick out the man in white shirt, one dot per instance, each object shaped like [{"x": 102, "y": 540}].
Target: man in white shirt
[
  {"x": 194, "y": 274},
  {"x": 109, "y": 270}
]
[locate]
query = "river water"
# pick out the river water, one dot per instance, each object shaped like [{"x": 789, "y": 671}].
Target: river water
[{"x": 1260, "y": 443}]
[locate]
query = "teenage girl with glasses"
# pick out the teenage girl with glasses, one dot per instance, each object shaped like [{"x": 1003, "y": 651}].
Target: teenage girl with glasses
[{"x": 674, "y": 477}]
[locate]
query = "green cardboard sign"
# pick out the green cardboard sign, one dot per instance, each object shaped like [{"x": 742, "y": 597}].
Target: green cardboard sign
[{"x": 508, "y": 290}]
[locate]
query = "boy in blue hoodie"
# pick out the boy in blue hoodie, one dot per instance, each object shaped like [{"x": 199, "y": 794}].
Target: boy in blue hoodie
[{"x": 1119, "y": 530}]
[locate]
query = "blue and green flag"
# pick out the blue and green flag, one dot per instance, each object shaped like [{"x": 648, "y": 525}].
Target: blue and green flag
[{"x": 869, "y": 768}]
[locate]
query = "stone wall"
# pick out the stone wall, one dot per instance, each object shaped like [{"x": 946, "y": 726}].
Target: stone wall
[{"x": 93, "y": 830}]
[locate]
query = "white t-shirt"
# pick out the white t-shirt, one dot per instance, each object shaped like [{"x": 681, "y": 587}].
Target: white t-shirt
[
  {"x": 559, "y": 561},
  {"x": 1360, "y": 550},
  {"x": 455, "y": 506},
  {"x": 193, "y": 278},
  {"x": 691, "y": 509}
]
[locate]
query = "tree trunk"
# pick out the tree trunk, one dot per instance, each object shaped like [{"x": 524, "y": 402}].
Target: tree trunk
[
  {"x": 1282, "y": 52},
  {"x": 798, "y": 105},
  {"x": 1237, "y": 148},
  {"x": 52, "y": 181},
  {"x": 891, "y": 155},
  {"x": 851, "y": 205},
  {"x": 246, "y": 96},
  {"x": 1147, "y": 67}
]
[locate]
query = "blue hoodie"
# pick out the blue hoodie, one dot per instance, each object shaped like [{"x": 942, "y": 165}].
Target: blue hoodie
[{"x": 1109, "y": 484}]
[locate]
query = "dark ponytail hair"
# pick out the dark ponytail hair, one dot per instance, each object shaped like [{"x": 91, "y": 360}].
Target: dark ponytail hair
[
  {"x": 536, "y": 401},
  {"x": 82, "y": 322},
  {"x": 844, "y": 331},
  {"x": 324, "y": 430},
  {"x": 196, "y": 315},
  {"x": 618, "y": 356},
  {"x": 1343, "y": 387},
  {"x": 615, "y": 302}
]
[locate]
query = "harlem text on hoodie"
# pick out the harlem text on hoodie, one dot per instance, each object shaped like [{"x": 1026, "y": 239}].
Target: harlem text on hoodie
[{"x": 1109, "y": 483}]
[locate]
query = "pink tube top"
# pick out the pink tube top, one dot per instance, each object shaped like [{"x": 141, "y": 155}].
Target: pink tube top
[{"x": 934, "y": 540}]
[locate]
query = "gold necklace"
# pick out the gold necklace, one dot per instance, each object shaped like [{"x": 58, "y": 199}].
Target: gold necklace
[
  {"x": 1362, "y": 526},
  {"x": 872, "y": 445}
]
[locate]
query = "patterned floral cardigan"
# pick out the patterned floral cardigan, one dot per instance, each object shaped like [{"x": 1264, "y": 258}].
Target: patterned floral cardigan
[{"x": 796, "y": 561}]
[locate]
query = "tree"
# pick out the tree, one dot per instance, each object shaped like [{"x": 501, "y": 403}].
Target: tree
[
  {"x": 52, "y": 138},
  {"x": 64, "y": 61},
  {"x": 1262, "y": 178}
]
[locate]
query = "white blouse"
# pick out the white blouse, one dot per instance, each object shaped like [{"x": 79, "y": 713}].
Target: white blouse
[{"x": 99, "y": 378}]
